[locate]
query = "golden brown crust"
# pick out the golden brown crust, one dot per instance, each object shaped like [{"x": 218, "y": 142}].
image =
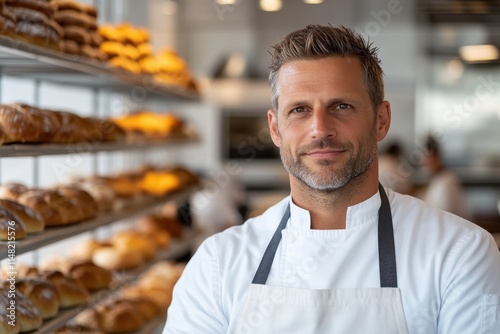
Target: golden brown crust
[
  {"x": 68, "y": 5},
  {"x": 43, "y": 6},
  {"x": 113, "y": 258},
  {"x": 35, "y": 199},
  {"x": 147, "y": 308},
  {"x": 90, "y": 10},
  {"x": 27, "y": 315},
  {"x": 42, "y": 293},
  {"x": 87, "y": 206},
  {"x": 69, "y": 17},
  {"x": 32, "y": 220},
  {"x": 70, "y": 47},
  {"x": 68, "y": 209},
  {"x": 77, "y": 34},
  {"x": 11, "y": 227},
  {"x": 77, "y": 329},
  {"x": 118, "y": 317},
  {"x": 70, "y": 291},
  {"x": 92, "y": 277},
  {"x": 12, "y": 191},
  {"x": 73, "y": 128},
  {"x": 23, "y": 123}
]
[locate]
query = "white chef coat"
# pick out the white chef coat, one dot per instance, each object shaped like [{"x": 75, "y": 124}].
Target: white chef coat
[{"x": 448, "y": 269}]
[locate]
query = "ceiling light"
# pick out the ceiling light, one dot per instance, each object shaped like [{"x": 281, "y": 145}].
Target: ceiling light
[
  {"x": 271, "y": 5},
  {"x": 226, "y": 2},
  {"x": 478, "y": 53},
  {"x": 313, "y": 2}
]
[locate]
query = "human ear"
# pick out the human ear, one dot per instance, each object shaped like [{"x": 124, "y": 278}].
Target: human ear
[
  {"x": 383, "y": 120},
  {"x": 272, "y": 120}
]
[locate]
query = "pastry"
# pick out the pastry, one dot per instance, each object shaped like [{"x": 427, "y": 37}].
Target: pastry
[
  {"x": 70, "y": 47},
  {"x": 67, "y": 17},
  {"x": 33, "y": 222},
  {"x": 44, "y": 6},
  {"x": 77, "y": 34}
]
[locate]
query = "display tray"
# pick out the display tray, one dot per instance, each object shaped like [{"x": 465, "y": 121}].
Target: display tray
[
  {"x": 176, "y": 249},
  {"x": 18, "y": 58},
  {"x": 31, "y": 150},
  {"x": 54, "y": 234}
]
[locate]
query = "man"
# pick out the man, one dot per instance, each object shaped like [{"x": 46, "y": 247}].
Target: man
[{"x": 340, "y": 255}]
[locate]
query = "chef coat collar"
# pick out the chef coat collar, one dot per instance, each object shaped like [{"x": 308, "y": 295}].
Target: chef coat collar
[{"x": 357, "y": 215}]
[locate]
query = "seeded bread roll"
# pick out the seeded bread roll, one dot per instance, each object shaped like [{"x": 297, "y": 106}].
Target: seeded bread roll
[
  {"x": 70, "y": 291},
  {"x": 11, "y": 227},
  {"x": 42, "y": 293},
  {"x": 32, "y": 220}
]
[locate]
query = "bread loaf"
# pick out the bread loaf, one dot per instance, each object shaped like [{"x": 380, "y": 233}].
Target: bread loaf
[
  {"x": 89, "y": 275},
  {"x": 32, "y": 220},
  {"x": 70, "y": 291},
  {"x": 26, "y": 124},
  {"x": 11, "y": 227},
  {"x": 42, "y": 293}
]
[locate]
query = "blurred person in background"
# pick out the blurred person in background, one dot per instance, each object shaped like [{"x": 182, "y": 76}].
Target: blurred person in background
[
  {"x": 444, "y": 190},
  {"x": 393, "y": 171}
]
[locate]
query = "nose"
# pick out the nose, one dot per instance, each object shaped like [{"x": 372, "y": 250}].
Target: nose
[{"x": 322, "y": 124}]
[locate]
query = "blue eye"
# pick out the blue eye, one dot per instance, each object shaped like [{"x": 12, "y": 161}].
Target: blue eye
[{"x": 298, "y": 110}]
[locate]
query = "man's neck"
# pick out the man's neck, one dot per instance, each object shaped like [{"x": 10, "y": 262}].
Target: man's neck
[{"x": 328, "y": 210}]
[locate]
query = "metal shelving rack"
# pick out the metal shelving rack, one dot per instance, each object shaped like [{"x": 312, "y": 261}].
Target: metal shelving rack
[{"x": 20, "y": 59}]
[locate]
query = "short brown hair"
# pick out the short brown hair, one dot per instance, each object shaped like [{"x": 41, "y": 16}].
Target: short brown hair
[{"x": 316, "y": 42}]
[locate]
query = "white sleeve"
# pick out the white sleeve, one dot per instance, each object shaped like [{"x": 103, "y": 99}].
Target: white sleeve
[
  {"x": 196, "y": 303},
  {"x": 471, "y": 283}
]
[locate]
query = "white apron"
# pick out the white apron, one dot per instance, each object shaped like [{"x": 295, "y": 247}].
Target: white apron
[{"x": 275, "y": 310}]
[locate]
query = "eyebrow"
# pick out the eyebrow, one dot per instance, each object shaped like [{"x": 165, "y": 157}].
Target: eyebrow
[{"x": 330, "y": 102}]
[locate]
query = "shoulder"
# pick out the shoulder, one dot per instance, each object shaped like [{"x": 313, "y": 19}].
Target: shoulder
[{"x": 421, "y": 224}]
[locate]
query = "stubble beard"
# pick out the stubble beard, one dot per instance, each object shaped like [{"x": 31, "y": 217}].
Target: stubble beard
[{"x": 328, "y": 180}]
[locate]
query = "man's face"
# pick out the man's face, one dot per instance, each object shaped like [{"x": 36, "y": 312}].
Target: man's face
[{"x": 325, "y": 125}]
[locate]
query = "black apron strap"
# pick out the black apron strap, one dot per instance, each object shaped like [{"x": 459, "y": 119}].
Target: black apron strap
[
  {"x": 386, "y": 253},
  {"x": 386, "y": 249},
  {"x": 268, "y": 258}
]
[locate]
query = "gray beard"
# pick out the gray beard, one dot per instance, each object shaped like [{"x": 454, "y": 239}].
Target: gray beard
[{"x": 328, "y": 182}]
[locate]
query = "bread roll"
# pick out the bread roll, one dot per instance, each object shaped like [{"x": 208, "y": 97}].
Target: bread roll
[
  {"x": 88, "y": 319},
  {"x": 35, "y": 199},
  {"x": 162, "y": 297},
  {"x": 21, "y": 271},
  {"x": 89, "y": 275},
  {"x": 113, "y": 258},
  {"x": 7, "y": 315},
  {"x": 135, "y": 242},
  {"x": 68, "y": 209},
  {"x": 11, "y": 227},
  {"x": 100, "y": 190},
  {"x": 12, "y": 191},
  {"x": 147, "y": 308},
  {"x": 27, "y": 314},
  {"x": 25, "y": 124},
  {"x": 42, "y": 293},
  {"x": 70, "y": 291},
  {"x": 152, "y": 223},
  {"x": 73, "y": 128},
  {"x": 32, "y": 220},
  {"x": 118, "y": 316},
  {"x": 81, "y": 199},
  {"x": 43, "y": 6},
  {"x": 85, "y": 250}
]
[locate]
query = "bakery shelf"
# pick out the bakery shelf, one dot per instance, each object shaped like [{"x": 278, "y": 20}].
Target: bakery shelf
[
  {"x": 18, "y": 58},
  {"x": 54, "y": 234},
  {"x": 177, "y": 248},
  {"x": 31, "y": 150}
]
